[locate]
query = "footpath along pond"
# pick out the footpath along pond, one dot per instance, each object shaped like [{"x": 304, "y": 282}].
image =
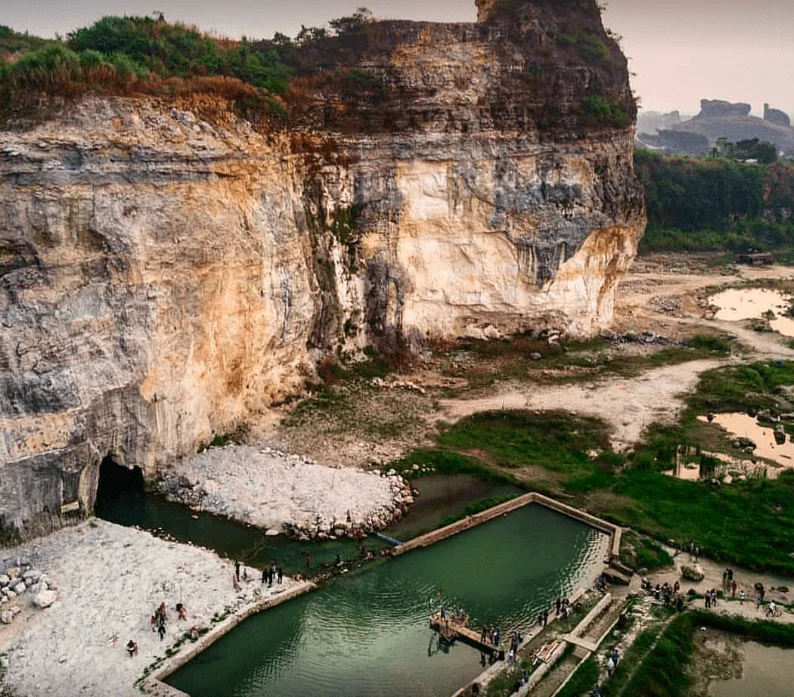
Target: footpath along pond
[{"x": 366, "y": 634}]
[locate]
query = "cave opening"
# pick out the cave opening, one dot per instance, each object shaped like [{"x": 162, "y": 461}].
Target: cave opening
[{"x": 121, "y": 494}]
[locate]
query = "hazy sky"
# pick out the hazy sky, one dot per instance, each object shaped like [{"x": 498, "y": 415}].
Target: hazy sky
[{"x": 680, "y": 50}]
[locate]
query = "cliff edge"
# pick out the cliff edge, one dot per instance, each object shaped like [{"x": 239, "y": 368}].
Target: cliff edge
[{"x": 168, "y": 271}]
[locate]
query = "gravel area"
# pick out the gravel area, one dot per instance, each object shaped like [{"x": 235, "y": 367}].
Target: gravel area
[
  {"x": 273, "y": 490},
  {"x": 110, "y": 581}
]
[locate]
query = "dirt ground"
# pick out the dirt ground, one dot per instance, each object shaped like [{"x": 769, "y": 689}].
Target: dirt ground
[{"x": 666, "y": 295}]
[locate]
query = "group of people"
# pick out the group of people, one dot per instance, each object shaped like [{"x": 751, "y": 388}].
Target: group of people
[
  {"x": 562, "y": 607},
  {"x": 515, "y": 642},
  {"x": 665, "y": 593},
  {"x": 710, "y": 599},
  {"x": 490, "y": 635},
  {"x": 272, "y": 573},
  {"x": 694, "y": 551}
]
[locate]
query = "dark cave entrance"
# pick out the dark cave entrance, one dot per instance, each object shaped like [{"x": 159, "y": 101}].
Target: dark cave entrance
[{"x": 121, "y": 495}]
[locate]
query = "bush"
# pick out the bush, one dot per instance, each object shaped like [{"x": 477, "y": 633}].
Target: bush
[{"x": 715, "y": 204}]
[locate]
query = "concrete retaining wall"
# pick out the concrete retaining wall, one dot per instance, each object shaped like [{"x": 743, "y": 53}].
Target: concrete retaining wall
[
  {"x": 154, "y": 684},
  {"x": 614, "y": 531}
]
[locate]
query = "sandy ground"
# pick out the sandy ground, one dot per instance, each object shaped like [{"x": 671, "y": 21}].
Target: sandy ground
[
  {"x": 270, "y": 489},
  {"x": 627, "y": 404},
  {"x": 745, "y": 580},
  {"x": 110, "y": 580}
]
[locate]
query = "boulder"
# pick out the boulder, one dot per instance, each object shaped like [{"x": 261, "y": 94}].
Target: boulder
[
  {"x": 692, "y": 573},
  {"x": 6, "y": 617},
  {"x": 34, "y": 575},
  {"x": 4, "y": 580},
  {"x": 45, "y": 599},
  {"x": 19, "y": 588}
]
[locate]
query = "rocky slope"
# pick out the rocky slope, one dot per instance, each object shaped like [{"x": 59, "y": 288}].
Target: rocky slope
[{"x": 168, "y": 272}]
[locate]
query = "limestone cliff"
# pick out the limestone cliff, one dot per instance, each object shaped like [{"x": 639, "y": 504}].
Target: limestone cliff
[{"x": 168, "y": 272}]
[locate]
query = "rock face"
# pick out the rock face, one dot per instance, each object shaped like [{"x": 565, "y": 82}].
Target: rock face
[
  {"x": 776, "y": 116},
  {"x": 167, "y": 272},
  {"x": 717, "y": 108}
]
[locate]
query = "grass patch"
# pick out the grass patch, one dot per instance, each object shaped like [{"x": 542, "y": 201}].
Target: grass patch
[
  {"x": 710, "y": 342},
  {"x": 640, "y": 552},
  {"x": 506, "y": 682},
  {"x": 555, "y": 441},
  {"x": 750, "y": 523},
  {"x": 444, "y": 462},
  {"x": 583, "y": 679},
  {"x": 773, "y": 633},
  {"x": 661, "y": 674}
]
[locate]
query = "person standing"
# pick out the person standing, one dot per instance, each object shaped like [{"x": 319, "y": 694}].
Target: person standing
[
  {"x": 545, "y": 617},
  {"x": 280, "y": 575},
  {"x": 557, "y": 605},
  {"x": 237, "y": 570}
]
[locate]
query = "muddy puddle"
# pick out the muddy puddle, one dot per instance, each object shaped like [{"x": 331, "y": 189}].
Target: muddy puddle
[
  {"x": 739, "y": 304},
  {"x": 767, "y": 671},
  {"x": 739, "y": 425}
]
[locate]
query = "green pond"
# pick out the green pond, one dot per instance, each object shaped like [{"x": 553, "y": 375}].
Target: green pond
[{"x": 366, "y": 634}]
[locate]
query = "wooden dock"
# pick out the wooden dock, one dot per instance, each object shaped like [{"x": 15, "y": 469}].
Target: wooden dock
[{"x": 451, "y": 629}]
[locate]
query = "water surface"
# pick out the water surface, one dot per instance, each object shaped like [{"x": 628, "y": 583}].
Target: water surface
[
  {"x": 739, "y": 304},
  {"x": 767, "y": 671},
  {"x": 367, "y": 634}
]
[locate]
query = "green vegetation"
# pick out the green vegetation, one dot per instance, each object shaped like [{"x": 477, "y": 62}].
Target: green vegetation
[
  {"x": 773, "y": 633},
  {"x": 747, "y": 522},
  {"x": 606, "y": 111},
  {"x": 583, "y": 679},
  {"x": 661, "y": 674},
  {"x": 443, "y": 462},
  {"x": 653, "y": 665},
  {"x": 149, "y": 56},
  {"x": 639, "y": 552},
  {"x": 590, "y": 46},
  {"x": 556, "y": 442},
  {"x": 711, "y": 204}
]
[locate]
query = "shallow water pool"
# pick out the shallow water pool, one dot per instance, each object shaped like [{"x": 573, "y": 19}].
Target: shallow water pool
[{"x": 367, "y": 634}]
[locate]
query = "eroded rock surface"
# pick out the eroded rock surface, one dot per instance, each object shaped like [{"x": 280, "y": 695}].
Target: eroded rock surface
[{"x": 168, "y": 272}]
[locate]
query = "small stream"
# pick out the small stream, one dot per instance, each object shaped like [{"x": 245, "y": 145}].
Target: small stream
[{"x": 440, "y": 496}]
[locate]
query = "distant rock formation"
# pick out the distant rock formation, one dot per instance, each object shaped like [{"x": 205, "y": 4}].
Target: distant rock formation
[
  {"x": 721, "y": 119},
  {"x": 779, "y": 118},
  {"x": 717, "y": 108},
  {"x": 653, "y": 121}
]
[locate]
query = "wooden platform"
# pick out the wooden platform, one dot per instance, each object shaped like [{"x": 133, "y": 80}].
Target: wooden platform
[{"x": 452, "y": 629}]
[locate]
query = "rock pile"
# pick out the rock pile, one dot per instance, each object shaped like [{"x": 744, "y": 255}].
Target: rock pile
[
  {"x": 646, "y": 337},
  {"x": 21, "y": 582},
  {"x": 287, "y": 493}
]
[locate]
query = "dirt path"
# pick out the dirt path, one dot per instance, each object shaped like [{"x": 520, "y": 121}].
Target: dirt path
[
  {"x": 745, "y": 579},
  {"x": 627, "y": 404}
]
